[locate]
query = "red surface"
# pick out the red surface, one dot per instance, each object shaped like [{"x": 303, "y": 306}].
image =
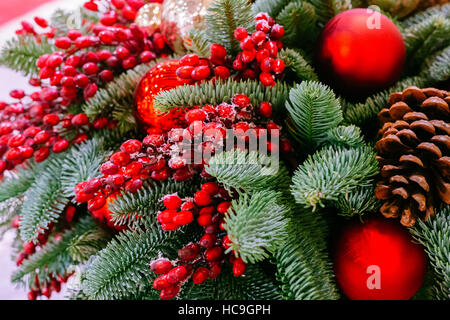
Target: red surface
[
  {"x": 11, "y": 9},
  {"x": 356, "y": 56},
  {"x": 387, "y": 245}
]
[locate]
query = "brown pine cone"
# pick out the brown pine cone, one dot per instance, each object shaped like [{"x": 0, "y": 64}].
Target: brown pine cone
[
  {"x": 424, "y": 4},
  {"x": 414, "y": 154}
]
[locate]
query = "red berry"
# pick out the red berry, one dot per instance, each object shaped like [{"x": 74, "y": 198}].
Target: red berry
[
  {"x": 96, "y": 203},
  {"x": 16, "y": 140},
  {"x": 70, "y": 213},
  {"x": 172, "y": 201},
  {"x": 54, "y": 61},
  {"x": 32, "y": 295},
  {"x": 169, "y": 226},
  {"x": 106, "y": 36},
  {"x": 92, "y": 185},
  {"x": 109, "y": 18},
  {"x": 90, "y": 90},
  {"x": 185, "y": 72},
  {"x": 41, "y": 22},
  {"x": 238, "y": 65},
  {"x": 200, "y": 275},
  {"x": 60, "y": 146},
  {"x": 100, "y": 123},
  {"x": 169, "y": 292},
  {"x": 133, "y": 185},
  {"x": 80, "y": 119},
  {"x": 211, "y": 188},
  {"x": 119, "y": 4},
  {"x": 202, "y": 198},
  {"x": 161, "y": 282},
  {"x": 258, "y": 37},
  {"x": 214, "y": 271},
  {"x": 222, "y": 72},
  {"x": 226, "y": 242},
  {"x": 161, "y": 266},
  {"x": 183, "y": 218},
  {"x": 239, "y": 267},
  {"x": 74, "y": 34},
  {"x": 90, "y": 68},
  {"x": 266, "y": 79},
  {"x": 17, "y": 94},
  {"x": 223, "y": 207},
  {"x": 91, "y": 5},
  {"x": 248, "y": 56},
  {"x": 147, "y": 56},
  {"x": 131, "y": 146},
  {"x": 195, "y": 115},
  {"x": 120, "y": 158},
  {"x": 240, "y": 34},
  {"x": 190, "y": 60},
  {"x": 177, "y": 274},
  {"x": 41, "y": 154},
  {"x": 204, "y": 220},
  {"x": 155, "y": 140},
  {"x": 265, "y": 109},
  {"x": 133, "y": 169},
  {"x": 241, "y": 100},
  {"x": 201, "y": 73},
  {"x": 207, "y": 241},
  {"x": 247, "y": 44},
  {"x": 63, "y": 42},
  {"x": 218, "y": 51},
  {"x": 51, "y": 119},
  {"x": 166, "y": 216},
  {"x": 277, "y": 32},
  {"x": 29, "y": 247},
  {"x": 189, "y": 252},
  {"x": 263, "y": 25},
  {"x": 129, "y": 62},
  {"x": 81, "y": 80},
  {"x": 278, "y": 66}
]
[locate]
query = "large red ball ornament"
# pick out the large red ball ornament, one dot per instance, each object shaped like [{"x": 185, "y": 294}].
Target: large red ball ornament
[
  {"x": 160, "y": 78},
  {"x": 377, "y": 260},
  {"x": 360, "y": 51}
]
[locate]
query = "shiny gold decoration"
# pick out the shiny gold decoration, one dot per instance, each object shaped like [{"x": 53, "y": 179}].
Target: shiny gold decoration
[
  {"x": 149, "y": 17},
  {"x": 179, "y": 17}
]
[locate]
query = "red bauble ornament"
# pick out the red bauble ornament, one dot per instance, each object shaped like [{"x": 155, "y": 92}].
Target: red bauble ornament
[
  {"x": 377, "y": 260},
  {"x": 360, "y": 51},
  {"x": 159, "y": 78}
]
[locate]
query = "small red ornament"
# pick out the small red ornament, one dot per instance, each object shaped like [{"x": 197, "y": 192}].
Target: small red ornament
[
  {"x": 360, "y": 51},
  {"x": 159, "y": 78},
  {"x": 378, "y": 260}
]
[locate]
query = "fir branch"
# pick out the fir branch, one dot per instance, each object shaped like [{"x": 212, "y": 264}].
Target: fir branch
[
  {"x": 313, "y": 110},
  {"x": 218, "y": 92},
  {"x": 345, "y": 136},
  {"x": 82, "y": 163},
  {"x": 223, "y": 17},
  {"x": 327, "y": 9},
  {"x": 249, "y": 172},
  {"x": 362, "y": 113},
  {"x": 18, "y": 182},
  {"x": 21, "y": 53},
  {"x": 198, "y": 43},
  {"x": 142, "y": 207},
  {"x": 9, "y": 209},
  {"x": 434, "y": 235},
  {"x": 430, "y": 13},
  {"x": 297, "y": 64},
  {"x": 439, "y": 66},
  {"x": 426, "y": 38},
  {"x": 271, "y": 7},
  {"x": 256, "y": 284},
  {"x": 357, "y": 203},
  {"x": 256, "y": 225},
  {"x": 300, "y": 23},
  {"x": 304, "y": 268},
  {"x": 123, "y": 267},
  {"x": 44, "y": 200},
  {"x": 331, "y": 173},
  {"x": 55, "y": 257}
]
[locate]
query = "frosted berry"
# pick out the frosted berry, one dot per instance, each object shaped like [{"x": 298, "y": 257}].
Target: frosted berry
[
  {"x": 189, "y": 60},
  {"x": 161, "y": 266},
  {"x": 177, "y": 274},
  {"x": 240, "y": 34},
  {"x": 172, "y": 201},
  {"x": 161, "y": 282},
  {"x": 131, "y": 146}
]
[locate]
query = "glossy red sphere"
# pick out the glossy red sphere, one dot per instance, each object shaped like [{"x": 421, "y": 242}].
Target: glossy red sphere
[
  {"x": 360, "y": 51},
  {"x": 160, "y": 78},
  {"x": 378, "y": 260}
]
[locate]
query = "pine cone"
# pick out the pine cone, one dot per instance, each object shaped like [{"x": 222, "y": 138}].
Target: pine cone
[
  {"x": 425, "y": 4},
  {"x": 414, "y": 154}
]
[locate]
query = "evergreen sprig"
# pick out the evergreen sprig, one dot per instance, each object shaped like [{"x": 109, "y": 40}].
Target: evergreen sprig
[
  {"x": 21, "y": 53},
  {"x": 18, "y": 182},
  {"x": 122, "y": 269},
  {"x": 271, "y": 7},
  {"x": 56, "y": 257},
  {"x": 198, "y": 43},
  {"x": 223, "y": 17},
  {"x": 222, "y": 91},
  {"x": 313, "y": 110},
  {"x": 304, "y": 267},
  {"x": 360, "y": 201},
  {"x": 297, "y": 64},
  {"x": 327, "y": 9},
  {"x": 434, "y": 235},
  {"x": 331, "y": 173},
  {"x": 346, "y": 136},
  {"x": 248, "y": 171},
  {"x": 428, "y": 14},
  {"x": 256, "y": 225},
  {"x": 44, "y": 200}
]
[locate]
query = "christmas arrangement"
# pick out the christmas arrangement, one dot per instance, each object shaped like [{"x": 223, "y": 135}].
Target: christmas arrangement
[{"x": 230, "y": 149}]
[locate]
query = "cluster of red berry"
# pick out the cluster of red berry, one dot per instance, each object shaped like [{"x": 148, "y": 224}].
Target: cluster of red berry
[
  {"x": 258, "y": 58},
  {"x": 29, "y": 248},
  {"x": 47, "y": 288},
  {"x": 209, "y": 205},
  {"x": 32, "y": 127},
  {"x": 169, "y": 154},
  {"x": 126, "y": 8}
]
